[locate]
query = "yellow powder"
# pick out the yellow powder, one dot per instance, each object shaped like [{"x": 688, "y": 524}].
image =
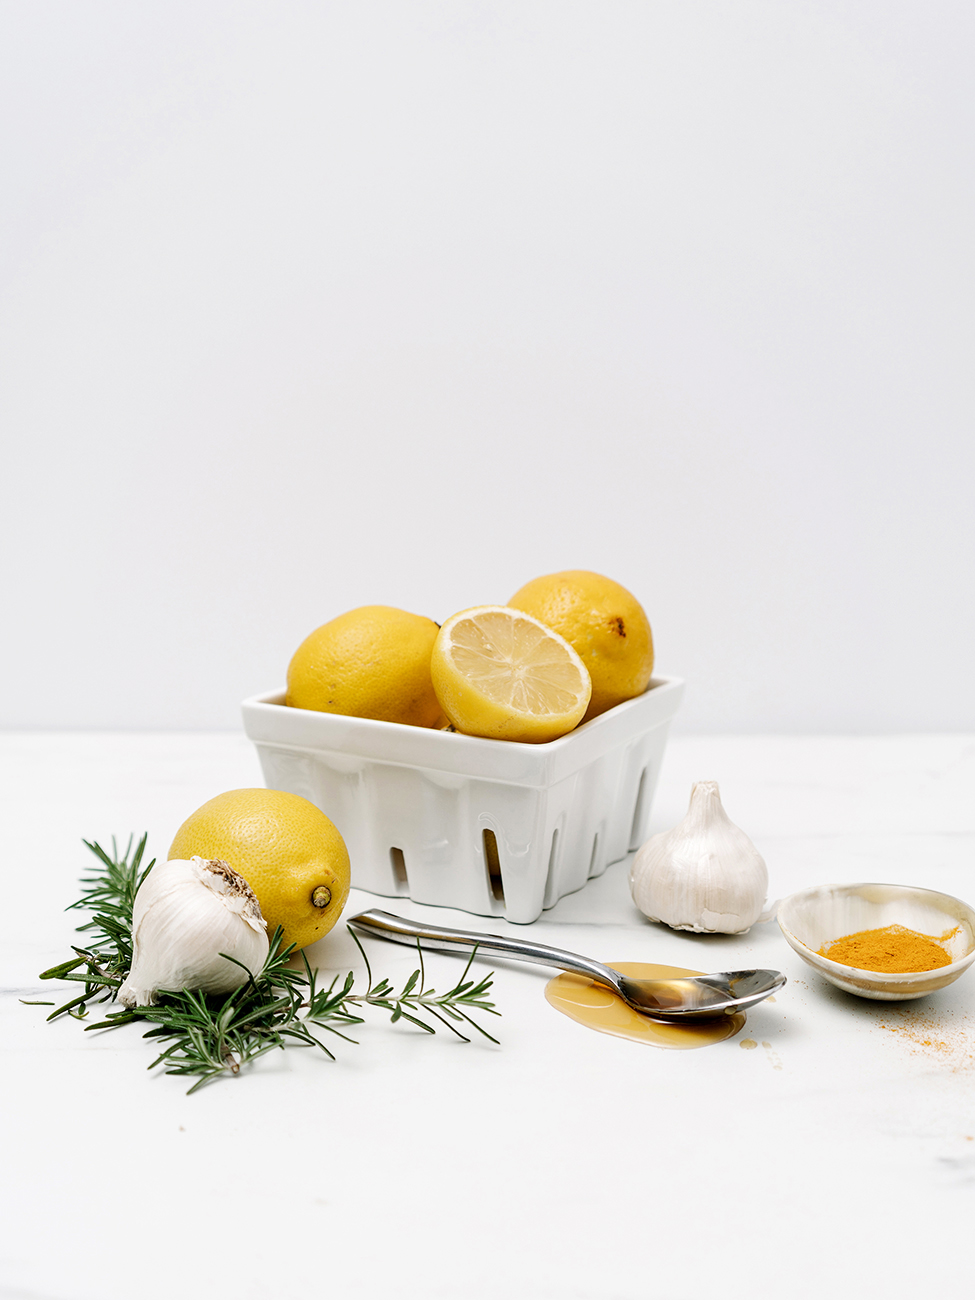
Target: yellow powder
[
  {"x": 944, "y": 1038},
  {"x": 893, "y": 950}
]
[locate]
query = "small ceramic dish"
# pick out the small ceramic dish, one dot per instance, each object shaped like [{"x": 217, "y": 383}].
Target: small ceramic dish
[{"x": 816, "y": 917}]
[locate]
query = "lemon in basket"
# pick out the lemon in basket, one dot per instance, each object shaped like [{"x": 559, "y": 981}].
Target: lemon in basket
[
  {"x": 605, "y": 625},
  {"x": 372, "y": 662},
  {"x": 286, "y": 849},
  {"x": 502, "y": 674}
]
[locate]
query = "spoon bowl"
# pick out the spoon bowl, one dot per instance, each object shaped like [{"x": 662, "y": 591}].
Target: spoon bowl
[{"x": 700, "y": 997}]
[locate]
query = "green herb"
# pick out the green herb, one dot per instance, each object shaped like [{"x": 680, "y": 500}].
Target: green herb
[
  {"x": 280, "y": 1006},
  {"x": 110, "y": 896}
]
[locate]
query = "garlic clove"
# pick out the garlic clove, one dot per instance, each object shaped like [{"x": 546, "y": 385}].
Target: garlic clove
[
  {"x": 704, "y": 874},
  {"x": 186, "y": 914}
]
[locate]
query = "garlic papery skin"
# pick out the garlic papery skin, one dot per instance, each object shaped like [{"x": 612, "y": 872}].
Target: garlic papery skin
[
  {"x": 704, "y": 875},
  {"x": 186, "y": 914}
]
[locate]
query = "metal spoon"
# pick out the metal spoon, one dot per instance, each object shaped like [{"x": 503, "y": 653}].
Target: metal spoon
[{"x": 699, "y": 997}]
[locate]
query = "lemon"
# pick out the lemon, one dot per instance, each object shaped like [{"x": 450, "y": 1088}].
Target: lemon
[
  {"x": 372, "y": 662},
  {"x": 286, "y": 849},
  {"x": 503, "y": 674},
  {"x": 604, "y": 624}
]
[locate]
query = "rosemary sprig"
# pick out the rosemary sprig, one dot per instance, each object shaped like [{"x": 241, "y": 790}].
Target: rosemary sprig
[
  {"x": 280, "y": 1006},
  {"x": 109, "y": 894}
]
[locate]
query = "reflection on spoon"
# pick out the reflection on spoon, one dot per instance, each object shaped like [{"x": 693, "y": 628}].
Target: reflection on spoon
[{"x": 599, "y": 1008}]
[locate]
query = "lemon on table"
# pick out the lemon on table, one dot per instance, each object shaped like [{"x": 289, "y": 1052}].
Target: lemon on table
[
  {"x": 502, "y": 674},
  {"x": 286, "y": 849},
  {"x": 372, "y": 662},
  {"x": 604, "y": 624}
]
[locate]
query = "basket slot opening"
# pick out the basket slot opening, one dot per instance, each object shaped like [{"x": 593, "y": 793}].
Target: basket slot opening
[
  {"x": 553, "y": 854},
  {"x": 492, "y": 861},
  {"x": 399, "y": 870},
  {"x": 639, "y": 809},
  {"x": 594, "y": 860}
]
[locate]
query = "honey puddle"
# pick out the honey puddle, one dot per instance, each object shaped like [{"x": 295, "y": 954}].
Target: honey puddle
[{"x": 598, "y": 1007}]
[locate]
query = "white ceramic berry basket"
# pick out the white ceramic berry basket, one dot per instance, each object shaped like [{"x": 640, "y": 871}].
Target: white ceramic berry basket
[{"x": 489, "y": 826}]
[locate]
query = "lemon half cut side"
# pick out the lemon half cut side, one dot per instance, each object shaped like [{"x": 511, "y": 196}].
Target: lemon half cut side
[{"x": 502, "y": 674}]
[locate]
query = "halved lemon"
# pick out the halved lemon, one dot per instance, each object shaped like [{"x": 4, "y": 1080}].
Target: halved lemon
[{"x": 502, "y": 674}]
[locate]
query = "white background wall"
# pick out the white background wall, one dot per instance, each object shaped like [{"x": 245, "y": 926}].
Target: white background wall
[{"x": 313, "y": 305}]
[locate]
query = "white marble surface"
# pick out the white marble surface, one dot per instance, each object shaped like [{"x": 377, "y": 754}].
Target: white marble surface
[{"x": 564, "y": 1165}]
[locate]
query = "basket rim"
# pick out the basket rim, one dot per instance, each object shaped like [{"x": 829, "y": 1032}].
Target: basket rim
[{"x": 270, "y": 722}]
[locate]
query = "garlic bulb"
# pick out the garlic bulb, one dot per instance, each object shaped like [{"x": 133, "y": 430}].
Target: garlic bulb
[
  {"x": 704, "y": 875},
  {"x": 185, "y": 915}
]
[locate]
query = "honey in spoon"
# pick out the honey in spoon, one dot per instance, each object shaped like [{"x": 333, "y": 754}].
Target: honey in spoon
[{"x": 597, "y": 1007}]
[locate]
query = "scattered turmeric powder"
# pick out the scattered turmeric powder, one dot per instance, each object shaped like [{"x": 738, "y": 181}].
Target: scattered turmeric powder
[
  {"x": 943, "y": 1036},
  {"x": 893, "y": 950}
]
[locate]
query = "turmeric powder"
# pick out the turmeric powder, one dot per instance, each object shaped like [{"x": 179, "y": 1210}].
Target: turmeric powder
[{"x": 892, "y": 950}]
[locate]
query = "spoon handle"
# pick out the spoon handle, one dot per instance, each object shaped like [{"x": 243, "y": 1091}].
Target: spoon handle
[{"x": 383, "y": 925}]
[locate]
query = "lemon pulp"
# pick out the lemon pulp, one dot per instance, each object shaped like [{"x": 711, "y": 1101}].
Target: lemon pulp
[{"x": 502, "y": 674}]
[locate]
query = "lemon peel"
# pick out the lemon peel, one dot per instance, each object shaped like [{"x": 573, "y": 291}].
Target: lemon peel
[
  {"x": 288, "y": 851},
  {"x": 371, "y": 662},
  {"x": 604, "y": 623}
]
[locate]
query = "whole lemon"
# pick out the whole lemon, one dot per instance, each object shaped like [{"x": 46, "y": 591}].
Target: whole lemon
[
  {"x": 372, "y": 662},
  {"x": 604, "y": 624},
  {"x": 286, "y": 849}
]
